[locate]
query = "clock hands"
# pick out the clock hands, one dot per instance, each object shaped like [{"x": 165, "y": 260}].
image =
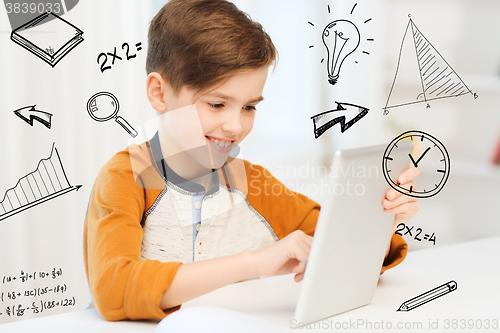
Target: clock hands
[
  {"x": 425, "y": 152},
  {"x": 437, "y": 180},
  {"x": 413, "y": 161},
  {"x": 416, "y": 163}
]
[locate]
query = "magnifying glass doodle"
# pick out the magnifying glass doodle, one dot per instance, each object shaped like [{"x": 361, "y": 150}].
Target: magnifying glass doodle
[{"x": 104, "y": 106}]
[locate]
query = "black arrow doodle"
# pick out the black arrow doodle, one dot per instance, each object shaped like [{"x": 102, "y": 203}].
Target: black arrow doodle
[
  {"x": 344, "y": 126},
  {"x": 28, "y": 114}
]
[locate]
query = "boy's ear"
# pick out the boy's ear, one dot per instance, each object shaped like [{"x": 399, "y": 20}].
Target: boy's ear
[{"x": 156, "y": 89}]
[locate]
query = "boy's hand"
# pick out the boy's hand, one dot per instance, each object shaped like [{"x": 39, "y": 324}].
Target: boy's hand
[
  {"x": 288, "y": 255},
  {"x": 405, "y": 207}
]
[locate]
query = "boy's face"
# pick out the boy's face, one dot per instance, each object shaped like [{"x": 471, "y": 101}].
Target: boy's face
[{"x": 226, "y": 113}]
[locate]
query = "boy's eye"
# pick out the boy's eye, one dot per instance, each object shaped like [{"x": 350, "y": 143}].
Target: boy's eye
[
  {"x": 216, "y": 105},
  {"x": 249, "y": 108}
]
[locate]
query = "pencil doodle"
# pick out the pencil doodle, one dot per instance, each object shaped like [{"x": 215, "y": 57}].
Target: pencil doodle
[
  {"x": 48, "y": 36},
  {"x": 341, "y": 38},
  {"x": 428, "y": 296},
  {"x": 104, "y": 106},
  {"x": 319, "y": 129},
  {"x": 436, "y": 78},
  {"x": 30, "y": 114},
  {"x": 47, "y": 182}
]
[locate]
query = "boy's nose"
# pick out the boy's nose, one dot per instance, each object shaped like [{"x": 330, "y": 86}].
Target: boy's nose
[{"x": 232, "y": 123}]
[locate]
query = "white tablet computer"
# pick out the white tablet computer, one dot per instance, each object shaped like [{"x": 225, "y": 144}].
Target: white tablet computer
[{"x": 352, "y": 235}]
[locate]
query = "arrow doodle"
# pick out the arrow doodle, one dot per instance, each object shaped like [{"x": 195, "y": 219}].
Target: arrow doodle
[
  {"x": 344, "y": 126},
  {"x": 28, "y": 114}
]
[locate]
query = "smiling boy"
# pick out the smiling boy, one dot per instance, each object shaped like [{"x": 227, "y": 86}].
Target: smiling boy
[{"x": 174, "y": 218}]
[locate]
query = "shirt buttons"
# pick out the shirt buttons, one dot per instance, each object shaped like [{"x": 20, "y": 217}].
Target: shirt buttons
[
  {"x": 197, "y": 205},
  {"x": 198, "y": 227},
  {"x": 200, "y": 249}
]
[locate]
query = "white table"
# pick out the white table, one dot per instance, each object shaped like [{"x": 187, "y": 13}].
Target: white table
[
  {"x": 475, "y": 266},
  {"x": 83, "y": 321}
]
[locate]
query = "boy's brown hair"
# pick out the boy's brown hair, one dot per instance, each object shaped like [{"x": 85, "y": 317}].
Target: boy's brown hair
[{"x": 199, "y": 43}]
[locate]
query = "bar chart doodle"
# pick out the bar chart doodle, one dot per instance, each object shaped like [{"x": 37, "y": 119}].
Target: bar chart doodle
[
  {"x": 436, "y": 78},
  {"x": 47, "y": 182}
]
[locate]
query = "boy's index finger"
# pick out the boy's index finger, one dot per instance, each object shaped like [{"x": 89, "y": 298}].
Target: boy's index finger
[{"x": 407, "y": 176}]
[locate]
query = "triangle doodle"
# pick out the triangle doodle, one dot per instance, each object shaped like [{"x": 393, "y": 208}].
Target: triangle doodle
[{"x": 437, "y": 78}]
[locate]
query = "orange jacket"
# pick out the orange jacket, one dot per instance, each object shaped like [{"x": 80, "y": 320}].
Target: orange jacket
[{"x": 125, "y": 282}]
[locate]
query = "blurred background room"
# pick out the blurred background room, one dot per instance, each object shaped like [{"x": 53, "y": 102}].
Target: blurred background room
[{"x": 465, "y": 32}]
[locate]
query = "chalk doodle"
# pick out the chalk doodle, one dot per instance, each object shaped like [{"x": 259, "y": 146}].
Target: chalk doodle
[
  {"x": 436, "y": 159},
  {"x": 29, "y": 114},
  {"x": 114, "y": 56},
  {"x": 423, "y": 63},
  {"x": 50, "y": 295},
  {"x": 28, "y": 276},
  {"x": 320, "y": 126},
  {"x": 428, "y": 296},
  {"x": 48, "y": 36},
  {"x": 341, "y": 38},
  {"x": 104, "y": 106},
  {"x": 47, "y": 182},
  {"x": 408, "y": 231}
]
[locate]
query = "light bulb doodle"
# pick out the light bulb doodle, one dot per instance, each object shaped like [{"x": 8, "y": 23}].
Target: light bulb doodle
[{"x": 341, "y": 38}]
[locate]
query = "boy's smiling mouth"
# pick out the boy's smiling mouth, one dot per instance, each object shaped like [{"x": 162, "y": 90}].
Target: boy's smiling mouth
[{"x": 220, "y": 145}]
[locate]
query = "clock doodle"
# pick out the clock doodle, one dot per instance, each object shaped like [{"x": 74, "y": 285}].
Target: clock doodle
[{"x": 432, "y": 157}]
